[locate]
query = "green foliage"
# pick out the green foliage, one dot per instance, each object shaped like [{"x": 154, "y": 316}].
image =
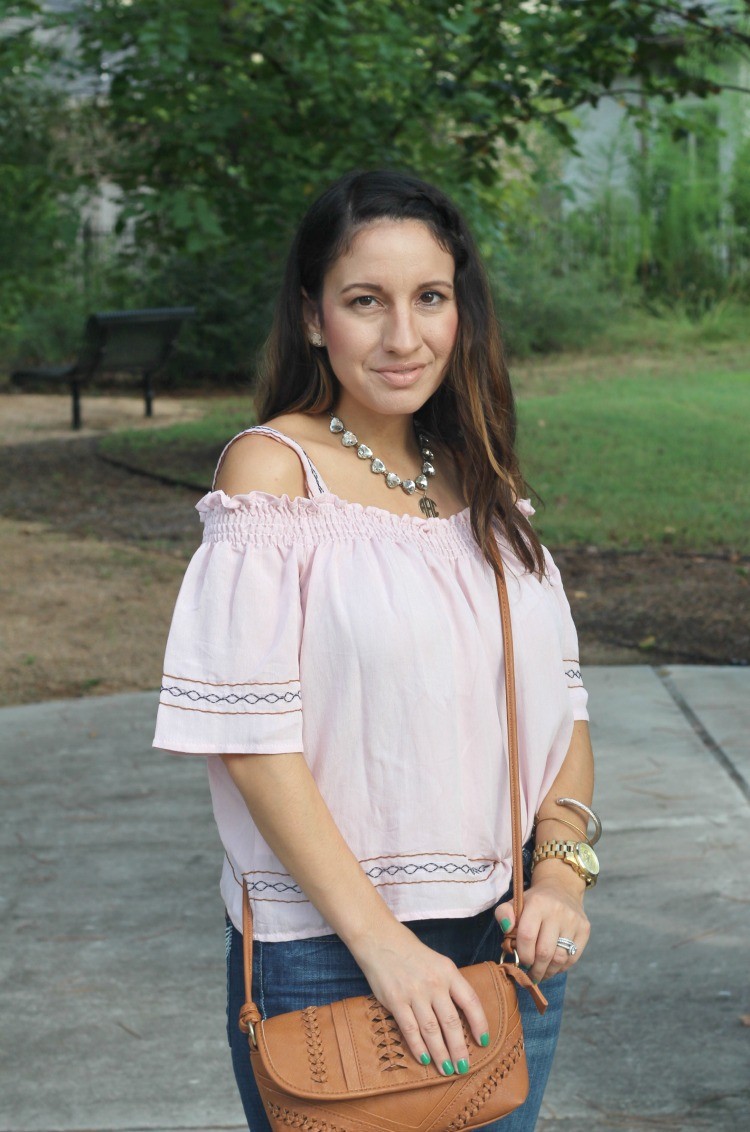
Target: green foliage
[
  {"x": 546, "y": 304},
  {"x": 739, "y": 198},
  {"x": 228, "y": 120},
  {"x": 231, "y": 117},
  {"x": 663, "y": 226},
  {"x": 219, "y": 123},
  {"x": 676, "y": 182},
  {"x": 671, "y": 329},
  {"x": 38, "y": 222}
]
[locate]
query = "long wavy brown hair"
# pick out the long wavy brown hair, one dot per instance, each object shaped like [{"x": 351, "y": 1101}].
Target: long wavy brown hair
[{"x": 473, "y": 410}]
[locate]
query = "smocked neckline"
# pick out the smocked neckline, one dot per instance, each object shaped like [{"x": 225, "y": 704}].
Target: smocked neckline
[
  {"x": 371, "y": 508},
  {"x": 287, "y": 502}
]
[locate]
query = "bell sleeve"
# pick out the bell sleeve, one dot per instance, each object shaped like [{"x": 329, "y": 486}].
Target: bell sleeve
[
  {"x": 568, "y": 641},
  {"x": 231, "y": 668},
  {"x": 571, "y": 664}
]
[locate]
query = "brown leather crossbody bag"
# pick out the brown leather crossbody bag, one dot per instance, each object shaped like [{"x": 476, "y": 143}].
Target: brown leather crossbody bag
[{"x": 346, "y": 1068}]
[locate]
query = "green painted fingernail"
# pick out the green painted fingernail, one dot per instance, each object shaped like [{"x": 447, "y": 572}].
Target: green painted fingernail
[
  {"x": 505, "y": 924},
  {"x": 485, "y": 1039},
  {"x": 463, "y": 1066},
  {"x": 448, "y": 1068},
  {"x": 425, "y": 1059}
]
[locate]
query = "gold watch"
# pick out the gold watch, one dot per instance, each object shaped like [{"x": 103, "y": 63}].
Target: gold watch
[{"x": 578, "y": 854}]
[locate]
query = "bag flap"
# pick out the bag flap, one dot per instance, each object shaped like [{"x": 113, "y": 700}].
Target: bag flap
[{"x": 354, "y": 1048}]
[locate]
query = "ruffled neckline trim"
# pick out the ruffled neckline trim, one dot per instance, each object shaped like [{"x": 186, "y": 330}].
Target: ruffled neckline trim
[{"x": 219, "y": 500}]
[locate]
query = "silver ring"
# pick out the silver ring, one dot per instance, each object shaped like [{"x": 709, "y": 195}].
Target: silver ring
[{"x": 567, "y": 945}]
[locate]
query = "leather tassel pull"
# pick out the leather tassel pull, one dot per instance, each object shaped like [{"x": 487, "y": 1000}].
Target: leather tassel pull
[{"x": 522, "y": 979}]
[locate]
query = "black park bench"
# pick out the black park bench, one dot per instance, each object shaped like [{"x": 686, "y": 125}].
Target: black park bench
[{"x": 115, "y": 341}]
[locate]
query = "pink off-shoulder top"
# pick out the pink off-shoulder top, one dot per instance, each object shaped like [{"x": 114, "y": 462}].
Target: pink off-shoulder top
[{"x": 371, "y": 643}]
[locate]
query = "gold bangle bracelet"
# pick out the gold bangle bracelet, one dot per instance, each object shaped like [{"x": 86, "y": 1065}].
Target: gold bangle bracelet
[{"x": 581, "y": 833}]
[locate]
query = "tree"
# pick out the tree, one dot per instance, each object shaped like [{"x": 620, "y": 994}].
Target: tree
[
  {"x": 37, "y": 221},
  {"x": 227, "y": 117},
  {"x": 231, "y": 114}
]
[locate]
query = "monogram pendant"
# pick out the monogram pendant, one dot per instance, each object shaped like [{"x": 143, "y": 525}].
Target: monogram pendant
[{"x": 428, "y": 508}]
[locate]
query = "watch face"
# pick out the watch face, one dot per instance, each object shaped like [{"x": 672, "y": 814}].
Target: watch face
[{"x": 588, "y": 858}]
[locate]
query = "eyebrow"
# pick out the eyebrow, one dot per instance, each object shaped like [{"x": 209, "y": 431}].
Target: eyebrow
[{"x": 377, "y": 287}]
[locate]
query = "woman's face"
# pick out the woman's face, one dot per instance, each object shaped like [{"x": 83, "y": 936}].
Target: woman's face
[{"x": 389, "y": 316}]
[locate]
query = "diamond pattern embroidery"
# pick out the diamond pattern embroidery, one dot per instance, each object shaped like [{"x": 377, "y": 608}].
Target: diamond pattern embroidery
[{"x": 233, "y": 698}]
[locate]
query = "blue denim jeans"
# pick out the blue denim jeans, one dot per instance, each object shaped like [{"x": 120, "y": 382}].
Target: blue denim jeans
[{"x": 314, "y": 972}]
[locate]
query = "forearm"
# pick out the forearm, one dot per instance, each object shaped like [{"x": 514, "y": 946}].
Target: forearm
[
  {"x": 575, "y": 779},
  {"x": 553, "y": 906},
  {"x": 292, "y": 817}
]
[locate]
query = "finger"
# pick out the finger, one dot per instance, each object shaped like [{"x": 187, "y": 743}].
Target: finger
[
  {"x": 527, "y": 936},
  {"x": 468, "y": 1001},
  {"x": 567, "y": 948},
  {"x": 505, "y": 917},
  {"x": 454, "y": 1034},
  {"x": 563, "y": 958},
  {"x": 433, "y": 1035},
  {"x": 411, "y": 1031},
  {"x": 544, "y": 952}
]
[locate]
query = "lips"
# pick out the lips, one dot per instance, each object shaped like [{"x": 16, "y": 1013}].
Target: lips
[{"x": 401, "y": 376}]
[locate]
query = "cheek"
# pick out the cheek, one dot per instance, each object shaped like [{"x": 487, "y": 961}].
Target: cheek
[
  {"x": 345, "y": 337},
  {"x": 446, "y": 333}
]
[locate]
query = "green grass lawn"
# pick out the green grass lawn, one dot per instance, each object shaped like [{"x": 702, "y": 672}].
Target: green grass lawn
[
  {"x": 630, "y": 450},
  {"x": 642, "y": 456}
]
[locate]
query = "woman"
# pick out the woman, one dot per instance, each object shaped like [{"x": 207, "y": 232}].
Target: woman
[{"x": 336, "y": 648}]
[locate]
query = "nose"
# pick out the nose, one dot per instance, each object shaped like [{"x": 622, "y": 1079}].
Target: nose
[{"x": 401, "y": 333}]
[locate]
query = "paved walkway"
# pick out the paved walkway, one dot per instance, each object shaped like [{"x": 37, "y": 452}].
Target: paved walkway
[{"x": 111, "y": 961}]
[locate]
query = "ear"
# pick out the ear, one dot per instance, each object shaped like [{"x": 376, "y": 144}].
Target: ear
[{"x": 311, "y": 317}]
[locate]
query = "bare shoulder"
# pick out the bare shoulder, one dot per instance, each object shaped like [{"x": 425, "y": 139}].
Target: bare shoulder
[
  {"x": 255, "y": 462},
  {"x": 305, "y": 428}
]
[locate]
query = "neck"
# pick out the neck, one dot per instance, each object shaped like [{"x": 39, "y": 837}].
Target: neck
[{"x": 391, "y": 437}]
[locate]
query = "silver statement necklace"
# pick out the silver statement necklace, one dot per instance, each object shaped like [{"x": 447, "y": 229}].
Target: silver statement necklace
[{"x": 426, "y": 505}]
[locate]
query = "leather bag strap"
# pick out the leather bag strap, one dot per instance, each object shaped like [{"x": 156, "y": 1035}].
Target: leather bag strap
[
  {"x": 514, "y": 774},
  {"x": 249, "y": 1012}
]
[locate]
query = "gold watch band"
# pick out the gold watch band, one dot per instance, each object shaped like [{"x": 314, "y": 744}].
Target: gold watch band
[{"x": 567, "y": 851}]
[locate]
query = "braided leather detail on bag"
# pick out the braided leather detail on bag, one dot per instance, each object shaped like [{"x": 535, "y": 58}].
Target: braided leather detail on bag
[
  {"x": 292, "y": 1119},
  {"x": 486, "y": 1088},
  {"x": 315, "y": 1054},
  {"x": 387, "y": 1036}
]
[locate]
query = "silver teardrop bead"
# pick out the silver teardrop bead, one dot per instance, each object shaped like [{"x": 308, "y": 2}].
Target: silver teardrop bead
[
  {"x": 427, "y": 454},
  {"x": 409, "y": 486},
  {"x": 364, "y": 452},
  {"x": 392, "y": 479},
  {"x": 423, "y": 438},
  {"x": 421, "y": 482},
  {"x": 377, "y": 466},
  {"x": 428, "y": 469},
  {"x": 336, "y": 425},
  {"x": 349, "y": 439}
]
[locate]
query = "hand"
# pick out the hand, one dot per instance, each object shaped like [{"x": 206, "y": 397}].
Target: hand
[
  {"x": 553, "y": 908},
  {"x": 424, "y": 992}
]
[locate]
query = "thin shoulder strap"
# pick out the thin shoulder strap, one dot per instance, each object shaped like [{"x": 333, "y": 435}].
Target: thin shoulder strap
[{"x": 313, "y": 480}]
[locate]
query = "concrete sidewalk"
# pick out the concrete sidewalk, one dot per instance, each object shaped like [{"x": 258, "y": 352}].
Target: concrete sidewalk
[{"x": 112, "y": 992}]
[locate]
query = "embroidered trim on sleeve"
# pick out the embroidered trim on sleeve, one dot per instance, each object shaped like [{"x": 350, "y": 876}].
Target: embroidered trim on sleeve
[
  {"x": 572, "y": 670},
  {"x": 282, "y": 697}
]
